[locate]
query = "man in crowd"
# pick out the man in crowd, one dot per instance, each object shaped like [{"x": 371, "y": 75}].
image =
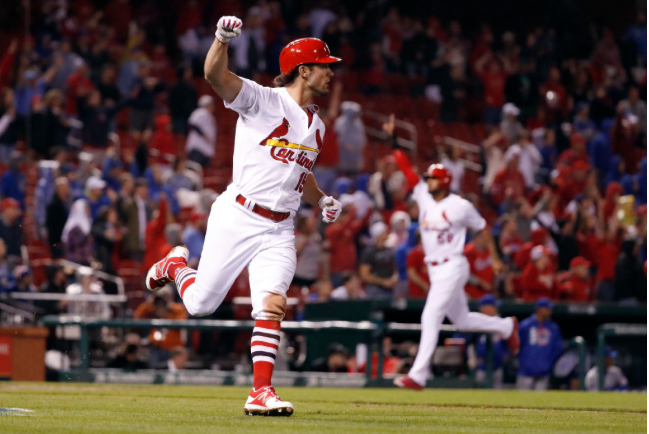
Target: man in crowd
[
  {"x": 351, "y": 289},
  {"x": 576, "y": 284},
  {"x": 541, "y": 346},
  {"x": 378, "y": 269},
  {"x": 482, "y": 275}
]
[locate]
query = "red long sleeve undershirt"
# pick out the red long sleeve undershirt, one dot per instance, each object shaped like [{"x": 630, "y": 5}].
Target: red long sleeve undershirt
[{"x": 404, "y": 165}]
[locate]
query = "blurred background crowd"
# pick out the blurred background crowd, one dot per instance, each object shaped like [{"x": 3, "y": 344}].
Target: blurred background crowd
[{"x": 113, "y": 147}]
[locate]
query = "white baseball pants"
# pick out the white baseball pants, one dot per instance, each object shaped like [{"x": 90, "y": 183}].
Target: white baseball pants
[
  {"x": 237, "y": 238},
  {"x": 446, "y": 298}
]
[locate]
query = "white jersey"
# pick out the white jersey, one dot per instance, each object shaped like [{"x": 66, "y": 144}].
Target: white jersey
[
  {"x": 443, "y": 224},
  {"x": 275, "y": 148}
]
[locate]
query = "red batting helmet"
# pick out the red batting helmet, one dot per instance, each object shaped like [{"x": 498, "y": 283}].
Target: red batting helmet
[
  {"x": 440, "y": 172},
  {"x": 305, "y": 50}
]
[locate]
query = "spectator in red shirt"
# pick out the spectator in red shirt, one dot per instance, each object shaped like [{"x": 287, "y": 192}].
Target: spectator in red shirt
[
  {"x": 577, "y": 152},
  {"x": 163, "y": 139},
  {"x": 78, "y": 84},
  {"x": 572, "y": 184},
  {"x": 613, "y": 193},
  {"x": 575, "y": 284},
  {"x": 538, "y": 237},
  {"x": 493, "y": 73},
  {"x": 510, "y": 240},
  {"x": 608, "y": 249},
  {"x": 157, "y": 245},
  {"x": 509, "y": 183},
  {"x": 341, "y": 236},
  {"x": 482, "y": 275},
  {"x": 539, "y": 276},
  {"x": 554, "y": 85},
  {"x": 418, "y": 280}
]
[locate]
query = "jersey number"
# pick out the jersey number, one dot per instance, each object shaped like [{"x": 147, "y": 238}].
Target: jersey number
[
  {"x": 300, "y": 183},
  {"x": 444, "y": 237}
]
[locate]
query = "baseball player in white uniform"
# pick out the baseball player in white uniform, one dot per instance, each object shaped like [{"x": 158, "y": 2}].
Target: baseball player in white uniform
[
  {"x": 278, "y": 138},
  {"x": 444, "y": 218}
]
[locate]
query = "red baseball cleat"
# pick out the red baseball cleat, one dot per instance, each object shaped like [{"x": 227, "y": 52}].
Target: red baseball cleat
[
  {"x": 514, "y": 342},
  {"x": 158, "y": 276},
  {"x": 265, "y": 402},
  {"x": 407, "y": 383}
]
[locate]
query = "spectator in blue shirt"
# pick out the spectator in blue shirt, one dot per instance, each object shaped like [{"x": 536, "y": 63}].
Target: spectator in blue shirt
[
  {"x": 157, "y": 185},
  {"x": 541, "y": 346},
  {"x": 13, "y": 182},
  {"x": 194, "y": 237},
  {"x": 637, "y": 33},
  {"x": 96, "y": 196},
  {"x": 582, "y": 122}
]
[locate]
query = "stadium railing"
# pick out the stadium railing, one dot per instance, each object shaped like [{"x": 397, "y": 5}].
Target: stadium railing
[
  {"x": 613, "y": 330},
  {"x": 370, "y": 332}
]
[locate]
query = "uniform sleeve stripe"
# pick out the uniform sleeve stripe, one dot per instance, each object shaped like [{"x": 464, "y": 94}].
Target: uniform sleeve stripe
[
  {"x": 262, "y": 354},
  {"x": 263, "y": 359},
  {"x": 265, "y": 330},
  {"x": 256, "y": 341},
  {"x": 258, "y": 348},
  {"x": 266, "y": 335},
  {"x": 273, "y": 341}
]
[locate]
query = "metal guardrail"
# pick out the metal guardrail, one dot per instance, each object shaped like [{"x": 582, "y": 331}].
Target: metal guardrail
[
  {"x": 118, "y": 281},
  {"x": 373, "y": 333},
  {"x": 613, "y": 329}
]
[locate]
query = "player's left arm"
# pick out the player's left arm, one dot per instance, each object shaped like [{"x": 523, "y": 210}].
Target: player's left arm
[{"x": 312, "y": 195}]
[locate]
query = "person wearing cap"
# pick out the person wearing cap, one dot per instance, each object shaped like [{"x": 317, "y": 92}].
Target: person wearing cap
[
  {"x": 488, "y": 305},
  {"x": 201, "y": 140},
  {"x": 510, "y": 126},
  {"x": 572, "y": 180},
  {"x": 377, "y": 268},
  {"x": 182, "y": 100},
  {"x": 509, "y": 182},
  {"x": 95, "y": 195},
  {"x": 538, "y": 237},
  {"x": 86, "y": 285},
  {"x": 614, "y": 378},
  {"x": 576, "y": 152},
  {"x": 538, "y": 279},
  {"x": 576, "y": 284},
  {"x": 278, "y": 138},
  {"x": 33, "y": 84},
  {"x": 582, "y": 123},
  {"x": 541, "y": 346},
  {"x": 10, "y": 227}
]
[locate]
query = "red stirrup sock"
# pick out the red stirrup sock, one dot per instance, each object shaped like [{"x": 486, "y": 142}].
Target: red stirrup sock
[{"x": 263, "y": 347}]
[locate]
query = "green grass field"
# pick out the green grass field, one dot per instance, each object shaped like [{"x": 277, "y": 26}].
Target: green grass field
[{"x": 90, "y": 408}]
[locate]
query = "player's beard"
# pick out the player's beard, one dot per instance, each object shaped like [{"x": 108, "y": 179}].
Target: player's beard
[{"x": 318, "y": 91}]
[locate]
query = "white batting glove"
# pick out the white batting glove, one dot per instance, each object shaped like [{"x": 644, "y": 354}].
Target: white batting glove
[
  {"x": 228, "y": 28},
  {"x": 331, "y": 209}
]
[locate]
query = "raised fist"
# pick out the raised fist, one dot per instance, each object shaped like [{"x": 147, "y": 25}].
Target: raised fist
[{"x": 228, "y": 28}]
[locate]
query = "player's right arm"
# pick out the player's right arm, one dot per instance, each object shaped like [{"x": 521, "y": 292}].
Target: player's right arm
[{"x": 225, "y": 83}]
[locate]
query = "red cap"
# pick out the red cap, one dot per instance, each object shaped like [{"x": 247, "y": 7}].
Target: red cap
[
  {"x": 581, "y": 165},
  {"x": 538, "y": 252},
  {"x": 305, "y": 50},
  {"x": 9, "y": 203},
  {"x": 578, "y": 261},
  {"x": 440, "y": 172},
  {"x": 197, "y": 215},
  {"x": 538, "y": 236},
  {"x": 577, "y": 138}
]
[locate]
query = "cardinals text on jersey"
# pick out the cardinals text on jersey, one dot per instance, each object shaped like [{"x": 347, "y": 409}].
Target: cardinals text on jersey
[{"x": 275, "y": 146}]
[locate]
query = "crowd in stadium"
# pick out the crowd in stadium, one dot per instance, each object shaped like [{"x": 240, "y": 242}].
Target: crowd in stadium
[{"x": 563, "y": 151}]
